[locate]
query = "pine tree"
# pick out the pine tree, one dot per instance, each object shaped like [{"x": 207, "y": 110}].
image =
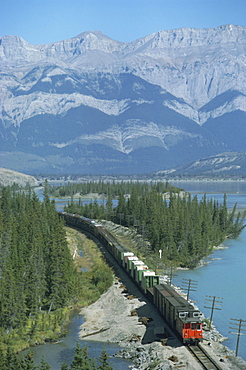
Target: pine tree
[
  {"x": 81, "y": 360},
  {"x": 44, "y": 365},
  {"x": 64, "y": 366},
  {"x": 104, "y": 364},
  {"x": 28, "y": 363},
  {"x": 10, "y": 361},
  {"x": 109, "y": 203}
]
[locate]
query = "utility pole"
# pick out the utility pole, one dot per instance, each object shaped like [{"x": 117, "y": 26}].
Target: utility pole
[
  {"x": 215, "y": 306},
  {"x": 189, "y": 284},
  {"x": 171, "y": 275},
  {"x": 239, "y": 330}
]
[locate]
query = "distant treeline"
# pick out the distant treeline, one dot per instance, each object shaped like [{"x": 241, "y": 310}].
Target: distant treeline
[
  {"x": 184, "y": 228},
  {"x": 115, "y": 188}
]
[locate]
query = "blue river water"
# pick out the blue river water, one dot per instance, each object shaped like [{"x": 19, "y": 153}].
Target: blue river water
[
  {"x": 58, "y": 353},
  {"x": 224, "y": 276}
]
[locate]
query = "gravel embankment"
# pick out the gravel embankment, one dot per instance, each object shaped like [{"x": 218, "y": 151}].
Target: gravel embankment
[{"x": 110, "y": 320}]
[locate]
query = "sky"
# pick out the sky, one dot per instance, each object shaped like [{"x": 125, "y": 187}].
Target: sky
[{"x": 47, "y": 21}]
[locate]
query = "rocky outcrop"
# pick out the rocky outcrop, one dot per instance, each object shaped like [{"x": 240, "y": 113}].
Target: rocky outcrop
[{"x": 9, "y": 177}]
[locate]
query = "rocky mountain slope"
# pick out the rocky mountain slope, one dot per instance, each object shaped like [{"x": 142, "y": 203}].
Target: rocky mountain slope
[
  {"x": 230, "y": 163},
  {"x": 9, "y": 177},
  {"x": 91, "y": 104}
]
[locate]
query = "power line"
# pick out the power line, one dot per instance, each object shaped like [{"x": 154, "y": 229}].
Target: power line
[
  {"x": 239, "y": 329},
  {"x": 171, "y": 275},
  {"x": 189, "y": 286},
  {"x": 215, "y": 306}
]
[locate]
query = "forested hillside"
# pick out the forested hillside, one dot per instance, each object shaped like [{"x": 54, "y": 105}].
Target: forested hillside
[
  {"x": 37, "y": 274},
  {"x": 36, "y": 267},
  {"x": 184, "y": 228}
]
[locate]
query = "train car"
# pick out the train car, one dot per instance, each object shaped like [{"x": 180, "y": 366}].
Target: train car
[
  {"x": 177, "y": 312},
  {"x": 135, "y": 264},
  {"x": 139, "y": 269},
  {"x": 149, "y": 279}
]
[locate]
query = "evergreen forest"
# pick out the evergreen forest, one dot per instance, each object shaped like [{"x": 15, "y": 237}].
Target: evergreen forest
[
  {"x": 114, "y": 188},
  {"x": 184, "y": 228},
  {"x": 39, "y": 282}
]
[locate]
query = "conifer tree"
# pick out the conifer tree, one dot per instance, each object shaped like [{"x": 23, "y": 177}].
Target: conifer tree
[
  {"x": 104, "y": 364},
  {"x": 109, "y": 203},
  {"x": 11, "y": 361},
  {"x": 28, "y": 363},
  {"x": 81, "y": 359},
  {"x": 64, "y": 366},
  {"x": 44, "y": 365}
]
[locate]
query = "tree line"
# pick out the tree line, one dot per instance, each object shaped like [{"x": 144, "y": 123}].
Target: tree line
[
  {"x": 184, "y": 228},
  {"x": 112, "y": 187}
]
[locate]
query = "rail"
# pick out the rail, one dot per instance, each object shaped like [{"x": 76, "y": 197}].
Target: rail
[{"x": 204, "y": 358}]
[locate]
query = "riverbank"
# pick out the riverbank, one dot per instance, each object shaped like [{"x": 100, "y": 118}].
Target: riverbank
[{"x": 111, "y": 319}]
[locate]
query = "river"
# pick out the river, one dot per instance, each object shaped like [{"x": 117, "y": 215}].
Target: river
[
  {"x": 223, "y": 277},
  {"x": 58, "y": 353}
]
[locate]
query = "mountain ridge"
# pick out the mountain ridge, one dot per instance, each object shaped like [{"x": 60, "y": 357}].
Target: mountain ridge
[{"x": 176, "y": 90}]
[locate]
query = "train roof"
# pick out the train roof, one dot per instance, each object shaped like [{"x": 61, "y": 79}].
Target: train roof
[
  {"x": 174, "y": 297},
  {"x": 149, "y": 273},
  {"x": 122, "y": 249}
]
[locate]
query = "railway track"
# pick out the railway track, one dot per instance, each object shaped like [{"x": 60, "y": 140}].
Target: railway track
[{"x": 204, "y": 358}]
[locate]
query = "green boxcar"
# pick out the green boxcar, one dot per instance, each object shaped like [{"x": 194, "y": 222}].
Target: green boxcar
[
  {"x": 124, "y": 257},
  {"x": 149, "y": 279},
  {"x": 129, "y": 263},
  {"x": 135, "y": 264},
  {"x": 139, "y": 272}
]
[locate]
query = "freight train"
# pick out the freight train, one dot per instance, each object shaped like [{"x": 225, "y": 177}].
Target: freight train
[{"x": 180, "y": 315}]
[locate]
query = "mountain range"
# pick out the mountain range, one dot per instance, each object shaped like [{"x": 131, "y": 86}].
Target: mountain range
[{"x": 93, "y": 105}]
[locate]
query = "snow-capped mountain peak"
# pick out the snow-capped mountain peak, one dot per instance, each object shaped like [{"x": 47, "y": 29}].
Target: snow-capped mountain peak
[{"x": 177, "y": 95}]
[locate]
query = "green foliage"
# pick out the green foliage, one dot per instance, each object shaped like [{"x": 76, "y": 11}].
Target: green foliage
[
  {"x": 81, "y": 361},
  {"x": 10, "y": 361},
  {"x": 37, "y": 271},
  {"x": 64, "y": 366},
  {"x": 104, "y": 364},
  {"x": 27, "y": 363},
  {"x": 102, "y": 277},
  {"x": 38, "y": 276},
  {"x": 44, "y": 365},
  {"x": 185, "y": 229},
  {"x": 110, "y": 188}
]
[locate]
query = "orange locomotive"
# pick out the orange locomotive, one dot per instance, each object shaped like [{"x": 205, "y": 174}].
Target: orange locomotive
[{"x": 179, "y": 313}]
